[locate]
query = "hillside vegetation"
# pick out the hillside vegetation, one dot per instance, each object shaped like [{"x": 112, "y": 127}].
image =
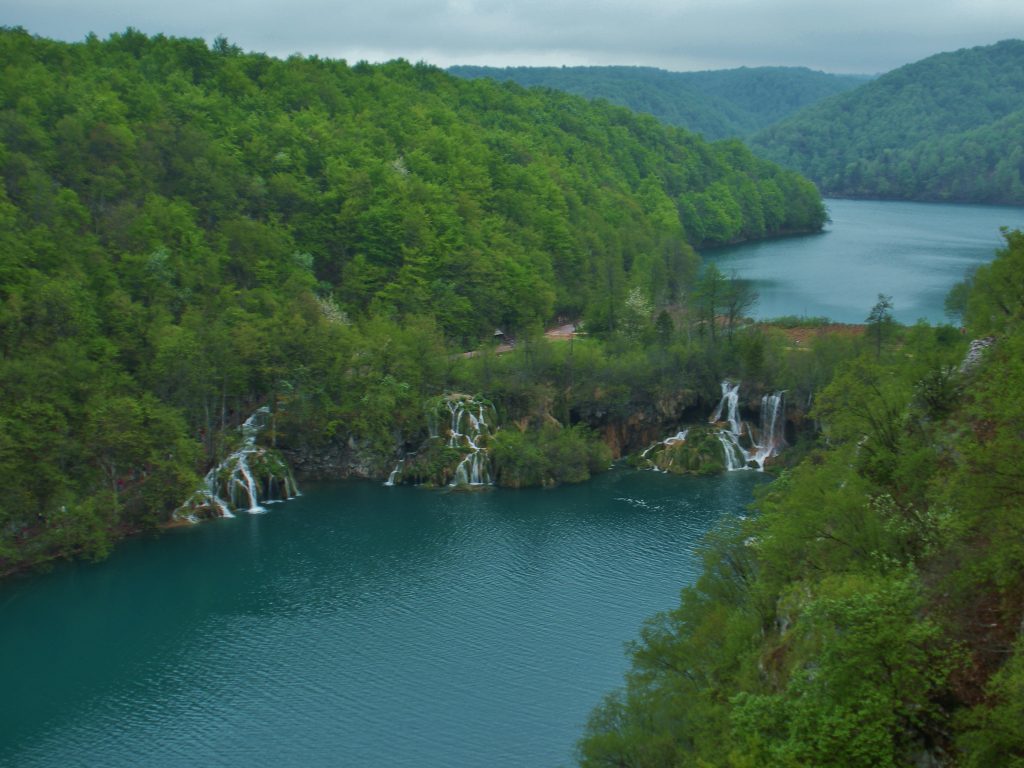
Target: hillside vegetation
[
  {"x": 869, "y": 612},
  {"x": 948, "y": 127},
  {"x": 190, "y": 232},
  {"x": 718, "y": 104}
]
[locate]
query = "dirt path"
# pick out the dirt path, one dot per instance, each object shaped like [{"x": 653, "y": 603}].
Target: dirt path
[
  {"x": 805, "y": 336},
  {"x": 561, "y": 332}
]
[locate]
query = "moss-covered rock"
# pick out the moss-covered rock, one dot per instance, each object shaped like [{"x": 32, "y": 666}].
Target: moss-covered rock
[
  {"x": 433, "y": 465},
  {"x": 699, "y": 453}
]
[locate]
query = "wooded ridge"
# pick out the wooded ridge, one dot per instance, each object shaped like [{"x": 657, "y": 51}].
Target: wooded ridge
[
  {"x": 948, "y": 127},
  {"x": 191, "y": 232}
]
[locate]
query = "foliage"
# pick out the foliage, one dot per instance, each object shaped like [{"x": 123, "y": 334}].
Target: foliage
[
  {"x": 992, "y": 735},
  {"x": 879, "y": 321},
  {"x": 548, "y": 456},
  {"x": 872, "y": 686},
  {"x": 699, "y": 454},
  {"x": 799, "y": 321},
  {"x": 432, "y": 465},
  {"x": 994, "y": 289}
]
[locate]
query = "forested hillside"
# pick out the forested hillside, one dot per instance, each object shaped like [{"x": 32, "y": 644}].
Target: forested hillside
[
  {"x": 945, "y": 128},
  {"x": 869, "y": 613},
  {"x": 717, "y": 104},
  {"x": 191, "y": 232}
]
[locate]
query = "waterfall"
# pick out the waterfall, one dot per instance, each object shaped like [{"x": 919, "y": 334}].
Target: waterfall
[
  {"x": 234, "y": 478},
  {"x": 394, "y": 473},
  {"x": 771, "y": 437},
  {"x": 678, "y": 437},
  {"x": 742, "y": 445},
  {"x": 764, "y": 442},
  {"x": 730, "y": 402},
  {"x": 468, "y": 431},
  {"x": 735, "y": 456}
]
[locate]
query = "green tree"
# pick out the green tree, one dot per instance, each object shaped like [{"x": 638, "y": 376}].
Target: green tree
[{"x": 880, "y": 322}]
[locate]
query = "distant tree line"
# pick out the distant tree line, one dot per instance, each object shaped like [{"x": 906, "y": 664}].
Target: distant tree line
[{"x": 718, "y": 104}]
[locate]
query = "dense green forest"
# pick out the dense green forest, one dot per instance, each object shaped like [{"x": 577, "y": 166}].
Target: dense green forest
[
  {"x": 948, "y": 127},
  {"x": 869, "y": 612},
  {"x": 190, "y": 232},
  {"x": 718, "y": 104}
]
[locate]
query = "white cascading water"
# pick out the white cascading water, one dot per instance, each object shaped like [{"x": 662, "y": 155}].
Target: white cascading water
[
  {"x": 730, "y": 403},
  {"x": 765, "y": 443},
  {"x": 678, "y": 437},
  {"x": 236, "y": 477},
  {"x": 735, "y": 456},
  {"x": 465, "y": 431},
  {"x": 773, "y": 424},
  {"x": 390, "y": 482}
]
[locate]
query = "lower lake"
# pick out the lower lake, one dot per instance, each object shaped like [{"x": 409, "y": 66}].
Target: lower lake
[
  {"x": 914, "y": 252},
  {"x": 357, "y": 625}
]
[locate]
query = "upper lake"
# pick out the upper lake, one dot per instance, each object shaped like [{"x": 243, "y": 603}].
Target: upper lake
[{"x": 914, "y": 252}]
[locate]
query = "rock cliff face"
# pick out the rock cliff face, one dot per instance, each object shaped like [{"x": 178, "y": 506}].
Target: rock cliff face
[
  {"x": 632, "y": 428},
  {"x": 337, "y": 460}
]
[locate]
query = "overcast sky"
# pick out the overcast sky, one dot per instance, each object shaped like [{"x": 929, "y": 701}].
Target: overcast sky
[{"x": 863, "y": 36}]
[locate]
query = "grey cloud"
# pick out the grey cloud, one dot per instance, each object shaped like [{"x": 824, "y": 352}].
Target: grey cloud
[{"x": 844, "y": 36}]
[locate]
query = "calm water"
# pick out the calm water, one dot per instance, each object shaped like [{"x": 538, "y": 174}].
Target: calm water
[
  {"x": 914, "y": 252},
  {"x": 355, "y": 626}
]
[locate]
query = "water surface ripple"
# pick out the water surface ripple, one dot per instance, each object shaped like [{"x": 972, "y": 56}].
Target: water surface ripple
[{"x": 357, "y": 626}]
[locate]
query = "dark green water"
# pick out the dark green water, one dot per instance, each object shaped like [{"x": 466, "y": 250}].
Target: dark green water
[
  {"x": 914, "y": 252},
  {"x": 355, "y": 626}
]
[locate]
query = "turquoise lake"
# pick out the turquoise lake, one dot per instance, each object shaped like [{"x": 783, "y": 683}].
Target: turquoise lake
[
  {"x": 360, "y": 625},
  {"x": 914, "y": 252},
  {"x": 357, "y": 625}
]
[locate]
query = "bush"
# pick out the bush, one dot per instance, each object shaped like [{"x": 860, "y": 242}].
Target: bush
[{"x": 548, "y": 456}]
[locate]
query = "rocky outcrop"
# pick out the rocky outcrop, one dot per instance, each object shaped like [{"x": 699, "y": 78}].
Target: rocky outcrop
[
  {"x": 632, "y": 427},
  {"x": 693, "y": 451},
  {"x": 975, "y": 353},
  {"x": 337, "y": 460}
]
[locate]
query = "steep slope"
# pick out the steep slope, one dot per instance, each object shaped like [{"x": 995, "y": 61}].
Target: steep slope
[
  {"x": 717, "y": 104},
  {"x": 944, "y": 128}
]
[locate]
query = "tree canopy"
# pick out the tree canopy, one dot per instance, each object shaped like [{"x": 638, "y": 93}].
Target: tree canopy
[{"x": 190, "y": 231}]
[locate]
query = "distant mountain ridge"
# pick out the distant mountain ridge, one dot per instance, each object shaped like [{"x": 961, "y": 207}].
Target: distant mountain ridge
[
  {"x": 730, "y": 103},
  {"x": 948, "y": 127}
]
